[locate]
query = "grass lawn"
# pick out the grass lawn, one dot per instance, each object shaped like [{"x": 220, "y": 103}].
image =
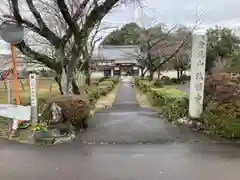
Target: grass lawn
[
  {"x": 45, "y": 87},
  {"x": 170, "y": 91}
]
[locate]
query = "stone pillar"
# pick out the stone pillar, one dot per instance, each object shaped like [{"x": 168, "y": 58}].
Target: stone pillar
[{"x": 198, "y": 63}]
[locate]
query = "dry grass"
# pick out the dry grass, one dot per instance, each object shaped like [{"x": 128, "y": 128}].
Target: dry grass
[
  {"x": 106, "y": 101},
  {"x": 44, "y": 87},
  {"x": 142, "y": 99}
]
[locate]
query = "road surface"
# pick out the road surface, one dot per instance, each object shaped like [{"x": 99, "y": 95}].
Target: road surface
[{"x": 124, "y": 142}]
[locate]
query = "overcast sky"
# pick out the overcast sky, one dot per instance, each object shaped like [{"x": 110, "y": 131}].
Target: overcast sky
[{"x": 171, "y": 12}]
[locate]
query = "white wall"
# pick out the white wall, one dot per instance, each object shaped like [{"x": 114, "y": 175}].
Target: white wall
[
  {"x": 171, "y": 74},
  {"x": 97, "y": 74}
]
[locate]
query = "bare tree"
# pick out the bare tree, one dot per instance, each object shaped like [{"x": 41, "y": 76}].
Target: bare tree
[{"x": 57, "y": 23}]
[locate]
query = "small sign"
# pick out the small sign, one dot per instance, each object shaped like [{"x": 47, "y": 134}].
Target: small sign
[
  {"x": 33, "y": 89},
  {"x": 13, "y": 111}
]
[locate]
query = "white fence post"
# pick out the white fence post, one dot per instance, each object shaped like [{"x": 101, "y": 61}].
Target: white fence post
[
  {"x": 9, "y": 92},
  {"x": 33, "y": 89},
  {"x": 198, "y": 64}
]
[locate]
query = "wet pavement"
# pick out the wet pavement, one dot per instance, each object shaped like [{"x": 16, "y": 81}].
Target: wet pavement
[
  {"x": 124, "y": 142},
  {"x": 184, "y": 87}
]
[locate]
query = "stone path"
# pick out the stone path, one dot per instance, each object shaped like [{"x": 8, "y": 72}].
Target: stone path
[
  {"x": 127, "y": 123},
  {"x": 184, "y": 87}
]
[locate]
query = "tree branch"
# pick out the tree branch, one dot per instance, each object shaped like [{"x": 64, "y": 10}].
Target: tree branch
[
  {"x": 76, "y": 16},
  {"x": 69, "y": 20},
  {"x": 26, "y": 50},
  {"x": 44, "y": 31},
  {"x": 170, "y": 57},
  {"x": 96, "y": 15}
]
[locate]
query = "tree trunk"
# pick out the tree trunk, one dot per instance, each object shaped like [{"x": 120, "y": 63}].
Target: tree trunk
[
  {"x": 181, "y": 73},
  {"x": 58, "y": 80},
  {"x": 142, "y": 73},
  {"x": 178, "y": 74},
  {"x": 151, "y": 75},
  {"x": 75, "y": 88},
  {"x": 159, "y": 73},
  {"x": 66, "y": 86},
  {"x": 88, "y": 79},
  {"x": 87, "y": 70}
]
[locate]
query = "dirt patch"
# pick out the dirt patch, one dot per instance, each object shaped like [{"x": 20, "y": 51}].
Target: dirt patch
[{"x": 142, "y": 99}]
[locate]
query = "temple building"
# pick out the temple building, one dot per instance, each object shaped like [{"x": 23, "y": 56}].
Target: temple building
[{"x": 117, "y": 60}]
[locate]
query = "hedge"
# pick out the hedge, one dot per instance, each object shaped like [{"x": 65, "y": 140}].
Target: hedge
[
  {"x": 93, "y": 93},
  {"x": 105, "y": 86},
  {"x": 218, "y": 118},
  {"x": 172, "y": 102}
]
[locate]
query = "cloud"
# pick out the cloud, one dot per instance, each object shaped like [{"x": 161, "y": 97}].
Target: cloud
[{"x": 171, "y": 12}]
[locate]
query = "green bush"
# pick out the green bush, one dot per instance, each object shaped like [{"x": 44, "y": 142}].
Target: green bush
[
  {"x": 221, "y": 119},
  {"x": 158, "y": 83},
  {"x": 185, "y": 77},
  {"x": 144, "y": 85},
  {"x": 93, "y": 95},
  {"x": 105, "y": 86},
  {"x": 103, "y": 79},
  {"x": 172, "y": 102},
  {"x": 115, "y": 79},
  {"x": 107, "y": 83},
  {"x": 166, "y": 80},
  {"x": 176, "y": 81},
  {"x": 176, "y": 109}
]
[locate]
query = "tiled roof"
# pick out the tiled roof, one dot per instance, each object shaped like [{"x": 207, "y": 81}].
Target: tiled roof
[{"x": 118, "y": 52}]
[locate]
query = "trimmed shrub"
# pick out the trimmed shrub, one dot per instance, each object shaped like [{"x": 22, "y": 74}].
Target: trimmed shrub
[
  {"x": 172, "y": 102},
  {"x": 176, "y": 81},
  {"x": 158, "y": 83},
  {"x": 166, "y": 80},
  {"x": 94, "y": 93},
  {"x": 185, "y": 77},
  {"x": 144, "y": 85},
  {"x": 103, "y": 79}
]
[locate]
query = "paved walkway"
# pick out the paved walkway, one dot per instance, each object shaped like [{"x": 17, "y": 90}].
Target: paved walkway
[
  {"x": 178, "y": 153},
  {"x": 127, "y": 123},
  {"x": 184, "y": 87}
]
